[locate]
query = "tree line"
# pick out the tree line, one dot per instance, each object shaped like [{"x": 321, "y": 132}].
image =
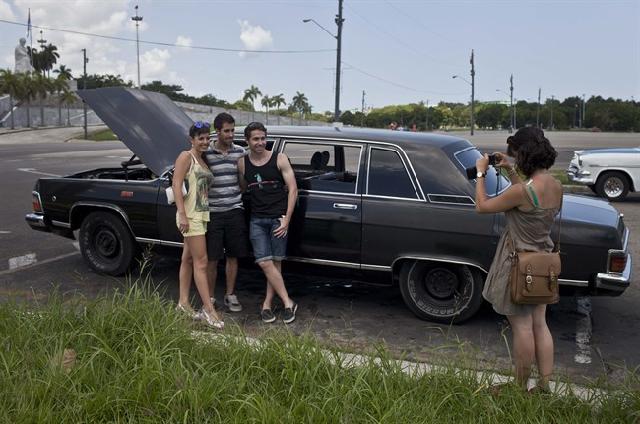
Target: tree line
[{"x": 600, "y": 114}]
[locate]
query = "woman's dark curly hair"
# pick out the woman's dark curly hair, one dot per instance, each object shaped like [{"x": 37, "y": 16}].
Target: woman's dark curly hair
[{"x": 531, "y": 149}]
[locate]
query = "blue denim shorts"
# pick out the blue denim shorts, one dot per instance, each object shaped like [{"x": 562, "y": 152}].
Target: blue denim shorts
[{"x": 266, "y": 246}]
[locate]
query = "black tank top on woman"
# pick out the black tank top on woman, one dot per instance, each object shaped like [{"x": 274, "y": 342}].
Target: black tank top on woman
[{"x": 267, "y": 191}]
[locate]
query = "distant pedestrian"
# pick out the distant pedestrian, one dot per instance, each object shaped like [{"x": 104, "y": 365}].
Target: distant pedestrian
[
  {"x": 530, "y": 208},
  {"x": 192, "y": 216},
  {"x": 227, "y": 235},
  {"x": 271, "y": 183}
]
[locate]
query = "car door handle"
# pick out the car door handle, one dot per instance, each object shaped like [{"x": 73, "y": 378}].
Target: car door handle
[{"x": 345, "y": 206}]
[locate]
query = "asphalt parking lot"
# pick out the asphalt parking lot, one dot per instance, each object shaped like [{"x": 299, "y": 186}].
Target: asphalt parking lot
[{"x": 597, "y": 337}]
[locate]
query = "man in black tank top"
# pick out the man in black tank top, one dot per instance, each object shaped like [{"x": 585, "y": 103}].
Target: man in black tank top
[{"x": 271, "y": 184}]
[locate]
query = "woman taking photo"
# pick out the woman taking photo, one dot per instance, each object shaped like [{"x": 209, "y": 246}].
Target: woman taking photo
[
  {"x": 191, "y": 218},
  {"x": 530, "y": 207}
]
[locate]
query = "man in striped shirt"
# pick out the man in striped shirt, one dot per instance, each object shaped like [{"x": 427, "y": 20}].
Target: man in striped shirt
[{"x": 226, "y": 231}]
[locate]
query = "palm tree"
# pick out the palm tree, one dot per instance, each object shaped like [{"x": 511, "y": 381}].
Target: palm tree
[
  {"x": 64, "y": 72},
  {"x": 27, "y": 93},
  {"x": 278, "y": 100},
  {"x": 42, "y": 86},
  {"x": 68, "y": 98},
  {"x": 251, "y": 94},
  {"x": 266, "y": 102},
  {"x": 300, "y": 102},
  {"x": 50, "y": 57},
  {"x": 10, "y": 84},
  {"x": 59, "y": 85}
]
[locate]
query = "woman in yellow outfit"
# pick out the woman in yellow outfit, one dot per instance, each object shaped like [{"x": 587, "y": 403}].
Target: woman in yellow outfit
[{"x": 191, "y": 218}]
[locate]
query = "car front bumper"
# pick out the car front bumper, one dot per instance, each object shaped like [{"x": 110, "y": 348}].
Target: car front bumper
[{"x": 578, "y": 176}]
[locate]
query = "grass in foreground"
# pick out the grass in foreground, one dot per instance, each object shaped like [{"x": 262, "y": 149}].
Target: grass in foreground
[
  {"x": 102, "y": 135},
  {"x": 136, "y": 361}
]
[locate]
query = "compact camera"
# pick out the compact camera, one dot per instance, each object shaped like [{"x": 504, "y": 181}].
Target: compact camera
[{"x": 471, "y": 172}]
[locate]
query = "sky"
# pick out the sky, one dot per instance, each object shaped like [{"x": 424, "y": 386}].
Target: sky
[{"x": 396, "y": 51}]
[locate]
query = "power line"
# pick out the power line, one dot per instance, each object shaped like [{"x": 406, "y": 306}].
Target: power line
[
  {"x": 158, "y": 43},
  {"x": 400, "y": 40},
  {"x": 417, "y": 90}
]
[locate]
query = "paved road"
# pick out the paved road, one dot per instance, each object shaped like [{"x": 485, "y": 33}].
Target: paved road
[{"x": 352, "y": 315}]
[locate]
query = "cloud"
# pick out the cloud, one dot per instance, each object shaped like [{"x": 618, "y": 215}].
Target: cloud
[
  {"x": 254, "y": 37},
  {"x": 6, "y": 12},
  {"x": 153, "y": 63},
  {"x": 184, "y": 41}
]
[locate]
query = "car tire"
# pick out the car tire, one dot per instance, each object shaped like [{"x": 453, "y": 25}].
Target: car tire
[
  {"x": 441, "y": 292},
  {"x": 106, "y": 243},
  {"x": 612, "y": 185},
  {"x": 593, "y": 188}
]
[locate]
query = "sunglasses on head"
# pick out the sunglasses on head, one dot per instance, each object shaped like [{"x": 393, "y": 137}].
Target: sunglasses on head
[{"x": 201, "y": 124}]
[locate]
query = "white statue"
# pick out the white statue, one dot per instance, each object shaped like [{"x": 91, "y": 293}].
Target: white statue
[{"x": 23, "y": 63}]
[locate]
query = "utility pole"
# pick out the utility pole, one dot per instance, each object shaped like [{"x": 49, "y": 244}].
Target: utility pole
[
  {"x": 84, "y": 87},
  {"x": 584, "y": 118},
  {"x": 339, "y": 21},
  {"x": 473, "y": 92},
  {"x": 512, "y": 114},
  {"x": 551, "y": 113},
  {"x": 538, "y": 112},
  {"x": 426, "y": 116},
  {"x": 137, "y": 19},
  {"x": 362, "y": 110}
]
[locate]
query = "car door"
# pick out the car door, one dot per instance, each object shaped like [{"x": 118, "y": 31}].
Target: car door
[{"x": 326, "y": 224}]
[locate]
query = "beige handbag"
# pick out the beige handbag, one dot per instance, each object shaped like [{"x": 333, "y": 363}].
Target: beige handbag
[{"x": 534, "y": 275}]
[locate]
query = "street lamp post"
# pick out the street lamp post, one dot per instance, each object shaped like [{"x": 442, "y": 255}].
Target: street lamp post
[
  {"x": 339, "y": 21},
  {"x": 137, "y": 19},
  {"x": 472, "y": 98},
  {"x": 85, "y": 60}
]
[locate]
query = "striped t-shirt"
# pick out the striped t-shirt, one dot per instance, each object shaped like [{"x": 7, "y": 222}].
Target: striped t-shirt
[{"x": 224, "y": 193}]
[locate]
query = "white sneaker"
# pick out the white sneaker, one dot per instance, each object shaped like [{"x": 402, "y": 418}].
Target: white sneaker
[{"x": 231, "y": 302}]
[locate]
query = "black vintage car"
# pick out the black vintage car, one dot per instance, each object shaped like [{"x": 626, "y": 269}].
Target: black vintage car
[{"x": 379, "y": 203}]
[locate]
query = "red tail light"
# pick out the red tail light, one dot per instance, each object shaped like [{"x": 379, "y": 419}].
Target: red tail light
[
  {"x": 617, "y": 262},
  {"x": 35, "y": 202}
]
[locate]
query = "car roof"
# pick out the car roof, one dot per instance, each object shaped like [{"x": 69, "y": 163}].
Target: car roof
[{"x": 403, "y": 138}]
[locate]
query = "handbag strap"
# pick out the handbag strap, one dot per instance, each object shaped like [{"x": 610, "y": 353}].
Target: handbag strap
[{"x": 557, "y": 248}]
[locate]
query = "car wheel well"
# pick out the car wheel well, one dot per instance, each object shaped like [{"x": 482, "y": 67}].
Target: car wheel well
[
  {"x": 397, "y": 267},
  {"x": 80, "y": 212}
]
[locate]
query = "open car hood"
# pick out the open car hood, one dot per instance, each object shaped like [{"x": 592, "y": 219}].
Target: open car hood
[{"x": 148, "y": 123}]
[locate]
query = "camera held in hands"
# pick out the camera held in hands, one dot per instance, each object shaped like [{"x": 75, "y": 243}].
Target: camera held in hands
[{"x": 471, "y": 172}]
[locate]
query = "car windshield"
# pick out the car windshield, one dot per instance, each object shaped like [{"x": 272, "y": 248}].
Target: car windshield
[{"x": 494, "y": 184}]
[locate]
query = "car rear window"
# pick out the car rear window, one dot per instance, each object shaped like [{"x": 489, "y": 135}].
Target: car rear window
[{"x": 494, "y": 184}]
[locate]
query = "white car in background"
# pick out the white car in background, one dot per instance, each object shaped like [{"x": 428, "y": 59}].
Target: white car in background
[{"x": 610, "y": 173}]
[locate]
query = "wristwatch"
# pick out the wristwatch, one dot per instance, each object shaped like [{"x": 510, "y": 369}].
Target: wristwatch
[{"x": 481, "y": 174}]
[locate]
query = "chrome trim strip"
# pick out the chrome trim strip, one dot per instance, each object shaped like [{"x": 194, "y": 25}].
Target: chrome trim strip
[
  {"x": 375, "y": 267},
  {"x": 575, "y": 283},
  {"x": 359, "y": 146},
  {"x": 426, "y": 258},
  {"x": 159, "y": 242},
  {"x": 328, "y": 193},
  {"x": 341, "y": 264},
  {"x": 103, "y": 206},
  {"x": 625, "y": 236},
  {"x": 60, "y": 224},
  {"x": 473, "y": 202},
  {"x": 375, "y": 196}
]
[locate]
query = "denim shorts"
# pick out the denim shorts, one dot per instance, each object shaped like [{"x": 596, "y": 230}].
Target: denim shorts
[{"x": 266, "y": 246}]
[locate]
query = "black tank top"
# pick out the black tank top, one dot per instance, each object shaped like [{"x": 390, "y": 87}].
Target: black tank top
[{"x": 267, "y": 191}]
